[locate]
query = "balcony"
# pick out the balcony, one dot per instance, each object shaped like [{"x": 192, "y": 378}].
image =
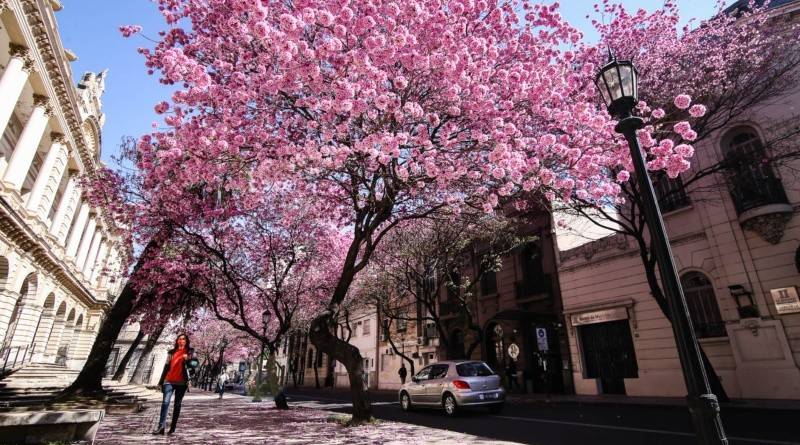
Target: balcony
[
  {"x": 533, "y": 287},
  {"x": 752, "y": 192},
  {"x": 448, "y": 308},
  {"x": 761, "y": 205}
]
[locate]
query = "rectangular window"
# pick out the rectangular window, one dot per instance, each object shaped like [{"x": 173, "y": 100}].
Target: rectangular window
[
  {"x": 402, "y": 325},
  {"x": 366, "y": 327}
]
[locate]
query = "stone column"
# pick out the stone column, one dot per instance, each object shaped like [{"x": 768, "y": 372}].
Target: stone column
[
  {"x": 42, "y": 334},
  {"x": 65, "y": 342},
  {"x": 46, "y": 184},
  {"x": 55, "y": 338},
  {"x": 13, "y": 82},
  {"x": 77, "y": 229},
  {"x": 99, "y": 264},
  {"x": 8, "y": 299},
  {"x": 80, "y": 346},
  {"x": 28, "y": 143},
  {"x": 29, "y": 314},
  {"x": 65, "y": 210},
  {"x": 86, "y": 242},
  {"x": 91, "y": 258}
]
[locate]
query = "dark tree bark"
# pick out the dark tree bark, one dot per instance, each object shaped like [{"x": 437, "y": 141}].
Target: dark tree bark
[
  {"x": 152, "y": 339},
  {"x": 351, "y": 358},
  {"x": 330, "y": 380},
  {"x": 127, "y": 357}
]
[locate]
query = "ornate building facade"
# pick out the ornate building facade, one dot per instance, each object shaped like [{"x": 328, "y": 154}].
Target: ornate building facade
[{"x": 60, "y": 257}]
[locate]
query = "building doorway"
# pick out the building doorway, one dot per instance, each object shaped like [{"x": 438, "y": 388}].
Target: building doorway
[{"x": 608, "y": 354}]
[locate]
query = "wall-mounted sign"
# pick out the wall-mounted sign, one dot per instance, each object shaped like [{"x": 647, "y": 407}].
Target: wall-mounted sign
[
  {"x": 541, "y": 339},
  {"x": 513, "y": 350},
  {"x": 786, "y": 300},
  {"x": 601, "y": 316}
]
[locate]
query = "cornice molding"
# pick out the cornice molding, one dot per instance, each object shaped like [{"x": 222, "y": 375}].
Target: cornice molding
[{"x": 21, "y": 236}]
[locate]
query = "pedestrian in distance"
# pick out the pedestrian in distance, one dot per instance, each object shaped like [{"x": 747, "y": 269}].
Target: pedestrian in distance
[
  {"x": 178, "y": 371},
  {"x": 222, "y": 380},
  {"x": 402, "y": 372},
  {"x": 511, "y": 375}
]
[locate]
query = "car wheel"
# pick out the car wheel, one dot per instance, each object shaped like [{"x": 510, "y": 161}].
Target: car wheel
[
  {"x": 496, "y": 409},
  {"x": 405, "y": 402},
  {"x": 450, "y": 405}
]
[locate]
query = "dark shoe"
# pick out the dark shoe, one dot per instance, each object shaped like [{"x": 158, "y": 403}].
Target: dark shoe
[
  {"x": 159, "y": 430},
  {"x": 171, "y": 429}
]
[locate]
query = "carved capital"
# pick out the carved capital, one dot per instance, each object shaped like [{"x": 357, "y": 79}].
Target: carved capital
[
  {"x": 769, "y": 227},
  {"x": 3, "y": 5},
  {"x": 44, "y": 102},
  {"x": 58, "y": 138},
  {"x": 22, "y": 52}
]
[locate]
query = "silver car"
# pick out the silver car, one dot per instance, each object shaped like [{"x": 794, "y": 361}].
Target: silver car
[{"x": 453, "y": 385}]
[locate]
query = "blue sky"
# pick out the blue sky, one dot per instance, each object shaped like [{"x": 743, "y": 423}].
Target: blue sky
[{"x": 90, "y": 29}]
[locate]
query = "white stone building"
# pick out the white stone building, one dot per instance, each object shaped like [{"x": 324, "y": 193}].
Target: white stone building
[{"x": 59, "y": 256}]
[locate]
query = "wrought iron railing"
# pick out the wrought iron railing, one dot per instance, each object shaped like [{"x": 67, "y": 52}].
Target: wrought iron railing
[
  {"x": 14, "y": 357},
  {"x": 529, "y": 288},
  {"x": 753, "y": 189},
  {"x": 448, "y": 307}
]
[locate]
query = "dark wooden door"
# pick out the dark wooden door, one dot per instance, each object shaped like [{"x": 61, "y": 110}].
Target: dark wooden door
[{"x": 608, "y": 354}]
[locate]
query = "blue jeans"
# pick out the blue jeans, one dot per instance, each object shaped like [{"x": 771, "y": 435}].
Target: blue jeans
[{"x": 179, "y": 391}]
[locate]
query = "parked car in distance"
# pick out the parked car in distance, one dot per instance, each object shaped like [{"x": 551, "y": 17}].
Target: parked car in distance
[{"x": 453, "y": 385}]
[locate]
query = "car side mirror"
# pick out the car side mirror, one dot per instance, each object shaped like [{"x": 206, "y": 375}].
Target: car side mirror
[{"x": 414, "y": 379}]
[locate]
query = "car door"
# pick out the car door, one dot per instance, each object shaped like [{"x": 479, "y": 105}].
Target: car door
[
  {"x": 436, "y": 381},
  {"x": 417, "y": 386}
]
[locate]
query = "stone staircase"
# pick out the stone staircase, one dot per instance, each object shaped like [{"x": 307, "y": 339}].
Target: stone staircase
[{"x": 33, "y": 386}]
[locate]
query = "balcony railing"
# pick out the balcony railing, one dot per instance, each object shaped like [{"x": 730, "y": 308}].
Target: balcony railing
[
  {"x": 448, "y": 308},
  {"x": 529, "y": 288},
  {"x": 750, "y": 191}
]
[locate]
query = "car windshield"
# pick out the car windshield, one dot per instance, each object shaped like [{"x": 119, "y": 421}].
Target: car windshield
[{"x": 474, "y": 369}]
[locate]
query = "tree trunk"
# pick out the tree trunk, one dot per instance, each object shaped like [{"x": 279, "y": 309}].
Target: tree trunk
[
  {"x": 127, "y": 357},
  {"x": 152, "y": 339},
  {"x": 90, "y": 379},
  {"x": 316, "y": 373},
  {"x": 351, "y": 358},
  {"x": 655, "y": 288},
  {"x": 330, "y": 380}
]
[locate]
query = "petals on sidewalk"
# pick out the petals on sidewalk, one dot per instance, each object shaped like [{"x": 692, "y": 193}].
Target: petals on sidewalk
[{"x": 236, "y": 420}]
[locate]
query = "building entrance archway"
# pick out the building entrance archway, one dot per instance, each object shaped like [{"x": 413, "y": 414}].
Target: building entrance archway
[{"x": 536, "y": 340}]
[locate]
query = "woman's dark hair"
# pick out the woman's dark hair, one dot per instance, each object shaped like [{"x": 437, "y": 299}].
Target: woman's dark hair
[{"x": 188, "y": 345}]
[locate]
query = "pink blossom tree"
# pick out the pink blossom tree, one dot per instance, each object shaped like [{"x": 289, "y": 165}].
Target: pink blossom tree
[{"x": 383, "y": 112}]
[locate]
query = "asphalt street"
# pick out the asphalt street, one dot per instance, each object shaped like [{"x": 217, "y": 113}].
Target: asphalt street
[{"x": 579, "y": 423}]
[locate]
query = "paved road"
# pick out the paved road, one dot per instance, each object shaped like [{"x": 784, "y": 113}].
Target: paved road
[{"x": 580, "y": 424}]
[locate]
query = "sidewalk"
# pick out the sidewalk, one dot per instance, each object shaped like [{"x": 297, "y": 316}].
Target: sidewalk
[
  {"x": 560, "y": 399},
  {"x": 237, "y": 420}
]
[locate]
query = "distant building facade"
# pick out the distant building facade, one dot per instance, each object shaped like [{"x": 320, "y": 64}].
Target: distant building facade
[{"x": 60, "y": 258}]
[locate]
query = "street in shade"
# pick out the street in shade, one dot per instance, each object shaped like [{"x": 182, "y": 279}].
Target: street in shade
[{"x": 576, "y": 421}]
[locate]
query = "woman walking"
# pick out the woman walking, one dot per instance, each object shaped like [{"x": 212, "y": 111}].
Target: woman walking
[
  {"x": 175, "y": 380},
  {"x": 222, "y": 380}
]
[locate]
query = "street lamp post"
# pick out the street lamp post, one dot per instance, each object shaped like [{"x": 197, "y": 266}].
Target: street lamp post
[{"x": 617, "y": 83}]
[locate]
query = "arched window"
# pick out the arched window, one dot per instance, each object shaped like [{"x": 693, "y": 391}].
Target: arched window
[
  {"x": 751, "y": 180},
  {"x": 703, "y": 306}
]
